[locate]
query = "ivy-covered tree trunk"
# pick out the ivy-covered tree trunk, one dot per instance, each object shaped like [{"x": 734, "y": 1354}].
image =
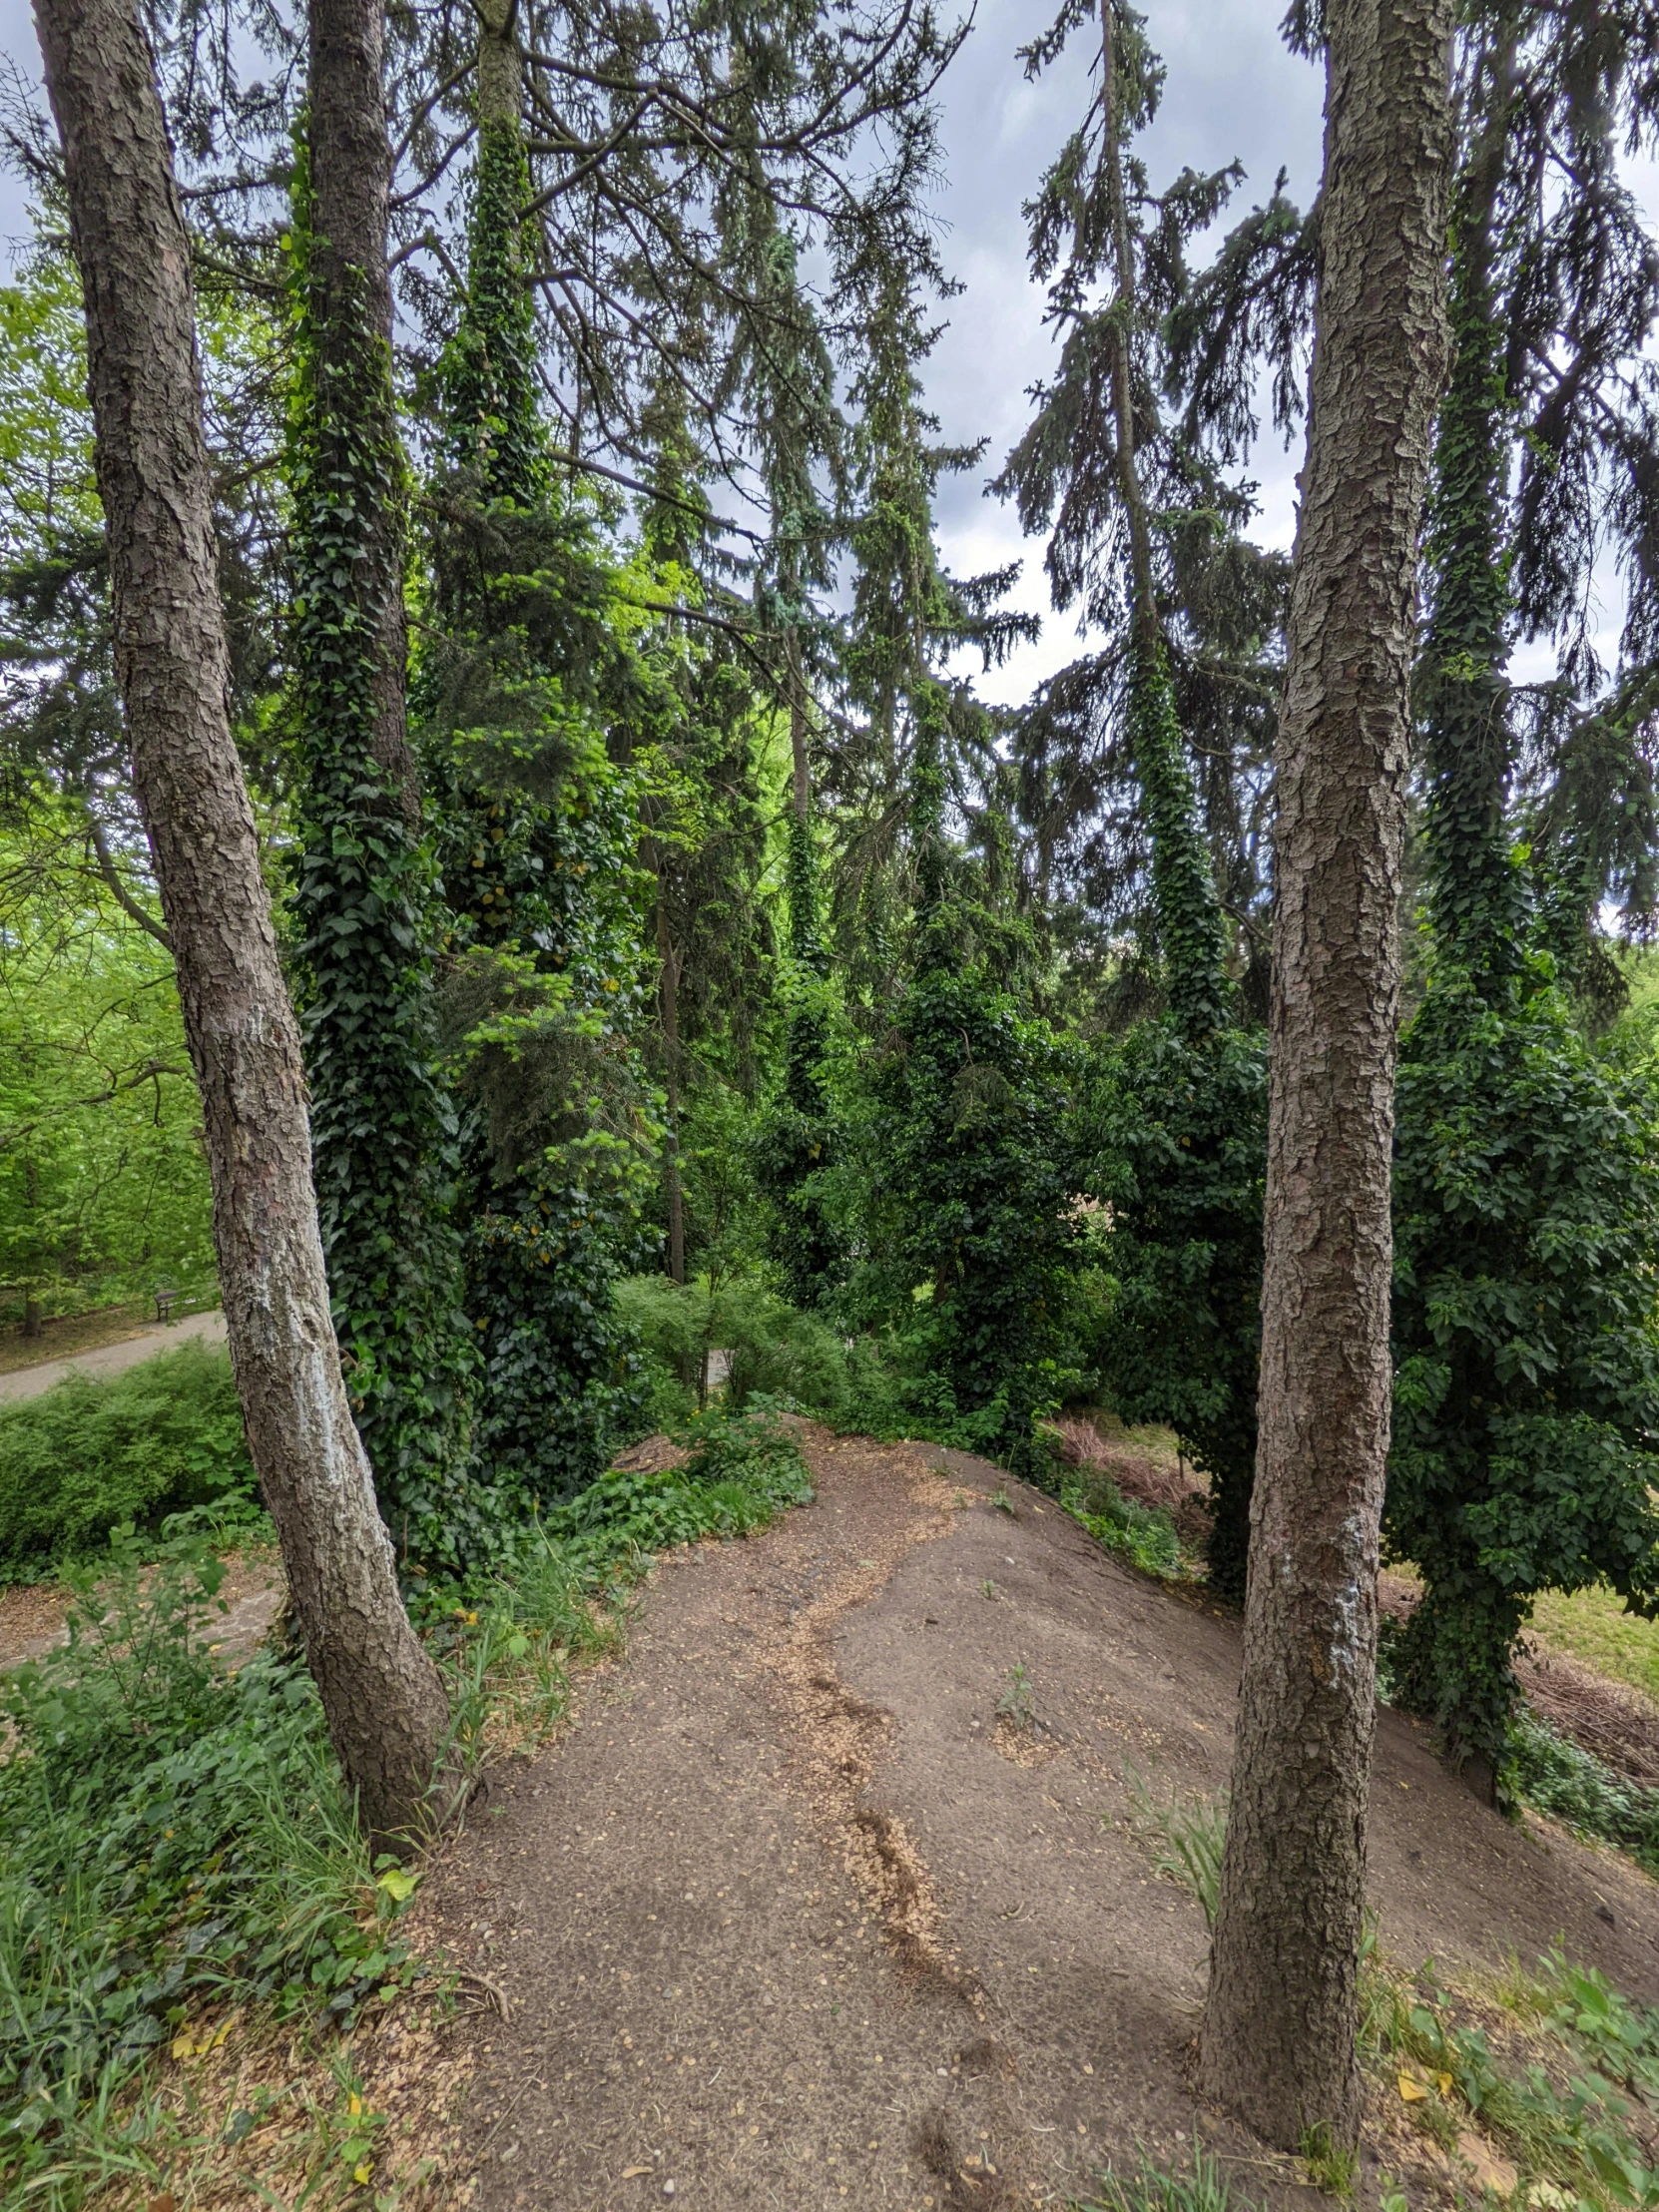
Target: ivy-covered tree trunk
[
  {"x": 1461, "y": 694},
  {"x": 667, "y": 1002},
  {"x": 1184, "y": 892},
  {"x": 1526, "y": 1381},
  {"x": 1280, "y": 2025},
  {"x": 381, "y": 1124},
  {"x": 794, "y": 1145},
  {"x": 519, "y": 678},
  {"x": 382, "y": 1694}
]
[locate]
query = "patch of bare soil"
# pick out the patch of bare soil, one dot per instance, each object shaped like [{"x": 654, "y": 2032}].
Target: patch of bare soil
[{"x": 834, "y": 1895}]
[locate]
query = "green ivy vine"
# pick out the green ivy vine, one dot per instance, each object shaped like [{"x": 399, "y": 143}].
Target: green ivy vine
[{"x": 382, "y": 1130}]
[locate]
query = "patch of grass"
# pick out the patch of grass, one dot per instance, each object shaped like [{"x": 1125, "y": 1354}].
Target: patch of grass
[
  {"x": 1151, "y": 2188},
  {"x": 1592, "y": 1626},
  {"x": 1145, "y": 1536},
  {"x": 743, "y": 1468},
  {"x": 86, "y": 1457},
  {"x": 1188, "y": 1838},
  {"x": 176, "y": 1834},
  {"x": 1004, "y": 1504},
  {"x": 1329, "y": 2167},
  {"x": 1552, "y": 1773}
]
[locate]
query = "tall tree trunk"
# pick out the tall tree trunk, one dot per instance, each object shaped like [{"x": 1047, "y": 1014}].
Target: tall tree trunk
[
  {"x": 1144, "y": 610},
  {"x": 31, "y": 1199},
  {"x": 351, "y": 161},
  {"x": 1279, "y": 2029},
  {"x": 500, "y": 86},
  {"x": 669, "y": 988},
  {"x": 382, "y": 1697}
]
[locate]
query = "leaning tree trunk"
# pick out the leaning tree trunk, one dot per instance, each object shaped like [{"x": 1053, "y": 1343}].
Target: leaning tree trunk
[
  {"x": 1279, "y": 2029},
  {"x": 384, "y": 1704}
]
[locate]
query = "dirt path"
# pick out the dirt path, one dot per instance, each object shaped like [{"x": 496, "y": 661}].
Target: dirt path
[
  {"x": 792, "y": 1918},
  {"x": 101, "y": 1360}
]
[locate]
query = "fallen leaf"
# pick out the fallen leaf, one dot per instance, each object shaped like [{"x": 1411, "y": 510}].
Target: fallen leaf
[
  {"x": 1411, "y": 2092},
  {"x": 1444, "y": 2082},
  {"x": 633, "y": 2173},
  {"x": 181, "y": 2046},
  {"x": 168, "y": 2203}
]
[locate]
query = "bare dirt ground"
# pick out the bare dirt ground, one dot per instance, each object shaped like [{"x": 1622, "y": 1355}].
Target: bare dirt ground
[{"x": 793, "y": 1918}]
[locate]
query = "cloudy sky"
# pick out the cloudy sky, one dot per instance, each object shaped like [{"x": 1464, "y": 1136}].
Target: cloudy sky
[{"x": 1233, "y": 92}]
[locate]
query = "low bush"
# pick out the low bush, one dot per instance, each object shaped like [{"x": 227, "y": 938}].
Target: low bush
[
  {"x": 776, "y": 1352},
  {"x": 87, "y": 1456},
  {"x": 1145, "y": 1536}
]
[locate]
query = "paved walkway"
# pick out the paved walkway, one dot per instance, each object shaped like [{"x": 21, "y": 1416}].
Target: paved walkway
[{"x": 107, "y": 1360}]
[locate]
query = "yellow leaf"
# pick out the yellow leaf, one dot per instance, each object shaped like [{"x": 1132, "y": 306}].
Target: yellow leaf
[
  {"x": 183, "y": 2047},
  {"x": 1411, "y": 2092},
  {"x": 355, "y": 2108},
  {"x": 1444, "y": 2081},
  {"x": 362, "y": 2172}
]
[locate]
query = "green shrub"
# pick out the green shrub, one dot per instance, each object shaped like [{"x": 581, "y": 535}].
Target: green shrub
[
  {"x": 1175, "y": 1130},
  {"x": 1145, "y": 1536},
  {"x": 743, "y": 1468},
  {"x": 777, "y": 1352},
  {"x": 1527, "y": 1360},
  {"x": 86, "y": 1457}
]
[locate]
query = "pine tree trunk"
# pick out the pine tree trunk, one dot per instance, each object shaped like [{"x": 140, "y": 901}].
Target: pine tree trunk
[
  {"x": 500, "y": 87},
  {"x": 350, "y": 161},
  {"x": 1279, "y": 2029},
  {"x": 384, "y": 1704}
]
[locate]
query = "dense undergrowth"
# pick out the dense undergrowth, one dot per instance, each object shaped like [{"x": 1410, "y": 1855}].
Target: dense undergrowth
[
  {"x": 177, "y": 1833},
  {"x": 86, "y": 1457}
]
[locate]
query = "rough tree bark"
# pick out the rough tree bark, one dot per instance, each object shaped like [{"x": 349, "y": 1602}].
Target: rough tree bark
[
  {"x": 1279, "y": 2029},
  {"x": 380, "y": 1692}
]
